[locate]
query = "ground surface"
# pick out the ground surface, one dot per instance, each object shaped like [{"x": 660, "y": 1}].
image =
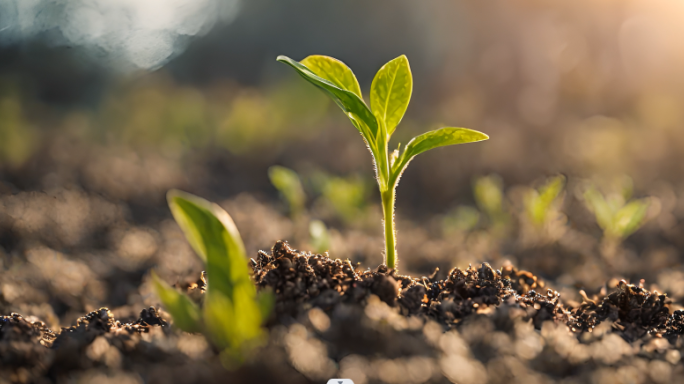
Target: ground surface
[
  {"x": 80, "y": 231},
  {"x": 333, "y": 320}
]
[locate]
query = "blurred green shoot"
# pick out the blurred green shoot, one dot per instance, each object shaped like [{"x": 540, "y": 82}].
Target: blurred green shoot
[
  {"x": 17, "y": 137},
  {"x": 462, "y": 218},
  {"x": 320, "y": 238},
  {"x": 346, "y": 195},
  {"x": 287, "y": 182},
  {"x": 233, "y": 312},
  {"x": 617, "y": 216},
  {"x": 389, "y": 98},
  {"x": 488, "y": 191},
  {"x": 540, "y": 203}
]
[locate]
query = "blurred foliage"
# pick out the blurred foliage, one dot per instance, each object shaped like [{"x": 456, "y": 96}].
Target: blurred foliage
[
  {"x": 462, "y": 218},
  {"x": 618, "y": 216},
  {"x": 347, "y": 196},
  {"x": 489, "y": 196},
  {"x": 541, "y": 203},
  {"x": 233, "y": 312},
  {"x": 319, "y": 236},
  {"x": 17, "y": 136},
  {"x": 287, "y": 182},
  {"x": 175, "y": 118}
]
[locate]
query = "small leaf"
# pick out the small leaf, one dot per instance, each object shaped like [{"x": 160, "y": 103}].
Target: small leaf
[
  {"x": 489, "y": 193},
  {"x": 391, "y": 92},
  {"x": 320, "y": 239},
  {"x": 599, "y": 206},
  {"x": 630, "y": 217},
  {"x": 334, "y": 71},
  {"x": 290, "y": 186},
  {"x": 433, "y": 139},
  {"x": 539, "y": 202},
  {"x": 213, "y": 235},
  {"x": 348, "y": 100},
  {"x": 185, "y": 313}
]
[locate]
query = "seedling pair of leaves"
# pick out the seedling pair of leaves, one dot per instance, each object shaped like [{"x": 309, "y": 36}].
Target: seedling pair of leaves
[
  {"x": 617, "y": 217},
  {"x": 232, "y": 313},
  {"x": 389, "y": 98},
  {"x": 539, "y": 203}
]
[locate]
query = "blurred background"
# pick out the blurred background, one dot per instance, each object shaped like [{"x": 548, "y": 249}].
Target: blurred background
[{"x": 105, "y": 105}]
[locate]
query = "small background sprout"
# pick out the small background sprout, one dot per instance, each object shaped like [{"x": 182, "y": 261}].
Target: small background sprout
[{"x": 287, "y": 182}]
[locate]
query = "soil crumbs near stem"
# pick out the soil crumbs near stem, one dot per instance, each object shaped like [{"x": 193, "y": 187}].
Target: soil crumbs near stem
[{"x": 478, "y": 325}]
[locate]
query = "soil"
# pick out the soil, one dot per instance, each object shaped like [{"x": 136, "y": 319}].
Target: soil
[
  {"x": 83, "y": 232},
  {"x": 333, "y": 319}
]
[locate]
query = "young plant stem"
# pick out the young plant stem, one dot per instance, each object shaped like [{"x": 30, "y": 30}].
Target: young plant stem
[{"x": 390, "y": 233}]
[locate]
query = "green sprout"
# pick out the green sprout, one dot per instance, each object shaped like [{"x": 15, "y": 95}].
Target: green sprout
[
  {"x": 616, "y": 214},
  {"x": 232, "y": 313},
  {"x": 389, "y": 97},
  {"x": 287, "y": 182},
  {"x": 462, "y": 218},
  {"x": 345, "y": 195},
  {"x": 489, "y": 196},
  {"x": 539, "y": 203},
  {"x": 319, "y": 235}
]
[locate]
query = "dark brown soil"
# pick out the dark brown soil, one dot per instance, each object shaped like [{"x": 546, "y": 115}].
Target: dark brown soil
[{"x": 334, "y": 320}]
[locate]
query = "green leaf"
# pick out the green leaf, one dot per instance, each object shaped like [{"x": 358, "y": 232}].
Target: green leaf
[
  {"x": 290, "y": 186},
  {"x": 630, "y": 217},
  {"x": 213, "y": 235},
  {"x": 232, "y": 323},
  {"x": 348, "y": 100},
  {"x": 320, "y": 238},
  {"x": 185, "y": 313},
  {"x": 391, "y": 92},
  {"x": 334, "y": 71},
  {"x": 539, "y": 202},
  {"x": 600, "y": 207},
  {"x": 489, "y": 194},
  {"x": 434, "y": 139}
]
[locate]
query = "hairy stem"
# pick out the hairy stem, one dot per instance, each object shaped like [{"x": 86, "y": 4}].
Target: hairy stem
[{"x": 390, "y": 240}]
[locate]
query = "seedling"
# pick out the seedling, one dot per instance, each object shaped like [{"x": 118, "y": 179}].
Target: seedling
[
  {"x": 320, "y": 238},
  {"x": 232, "y": 313},
  {"x": 617, "y": 216},
  {"x": 463, "y": 218},
  {"x": 489, "y": 196},
  {"x": 540, "y": 203},
  {"x": 287, "y": 182},
  {"x": 346, "y": 195},
  {"x": 389, "y": 97}
]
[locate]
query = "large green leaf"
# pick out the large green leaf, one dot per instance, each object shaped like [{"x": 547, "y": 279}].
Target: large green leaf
[
  {"x": 185, "y": 313},
  {"x": 391, "y": 92},
  {"x": 334, "y": 71},
  {"x": 348, "y": 100},
  {"x": 434, "y": 139},
  {"x": 213, "y": 235}
]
